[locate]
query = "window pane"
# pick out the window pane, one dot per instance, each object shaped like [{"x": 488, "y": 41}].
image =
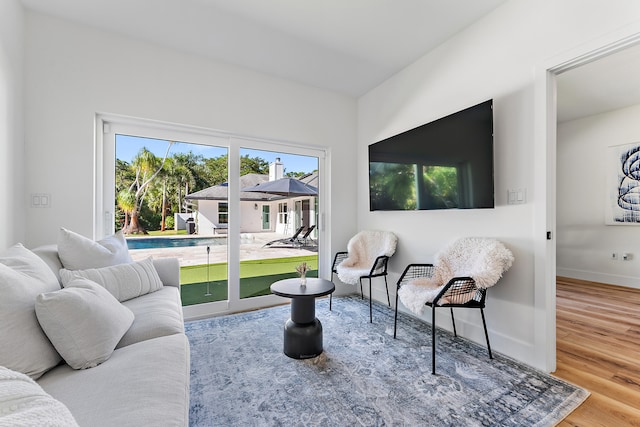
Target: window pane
[
  {"x": 271, "y": 250},
  {"x": 167, "y": 196}
]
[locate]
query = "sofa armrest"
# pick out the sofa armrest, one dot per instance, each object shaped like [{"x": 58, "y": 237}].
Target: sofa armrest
[{"x": 169, "y": 271}]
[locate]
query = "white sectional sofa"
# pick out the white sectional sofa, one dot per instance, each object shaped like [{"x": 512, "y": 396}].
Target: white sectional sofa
[{"x": 144, "y": 381}]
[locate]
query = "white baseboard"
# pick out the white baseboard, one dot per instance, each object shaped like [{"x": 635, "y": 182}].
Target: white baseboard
[
  {"x": 507, "y": 345},
  {"x": 593, "y": 276}
]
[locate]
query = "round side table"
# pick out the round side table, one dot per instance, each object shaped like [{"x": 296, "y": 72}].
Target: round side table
[{"x": 303, "y": 332}]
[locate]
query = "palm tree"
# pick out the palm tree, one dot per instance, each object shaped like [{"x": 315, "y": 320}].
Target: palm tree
[
  {"x": 147, "y": 166},
  {"x": 181, "y": 177},
  {"x": 127, "y": 203}
]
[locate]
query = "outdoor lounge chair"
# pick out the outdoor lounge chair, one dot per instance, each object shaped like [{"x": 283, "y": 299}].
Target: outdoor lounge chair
[
  {"x": 304, "y": 240},
  {"x": 459, "y": 279},
  {"x": 286, "y": 241}
]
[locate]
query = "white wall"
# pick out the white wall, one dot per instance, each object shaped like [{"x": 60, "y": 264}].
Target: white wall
[
  {"x": 12, "y": 191},
  {"x": 497, "y": 58},
  {"x": 585, "y": 243},
  {"x": 73, "y": 72}
]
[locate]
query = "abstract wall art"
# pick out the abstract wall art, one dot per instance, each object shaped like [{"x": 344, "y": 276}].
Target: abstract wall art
[{"x": 623, "y": 185}]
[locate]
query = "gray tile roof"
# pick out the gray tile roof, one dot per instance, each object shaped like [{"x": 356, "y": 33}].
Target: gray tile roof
[{"x": 220, "y": 192}]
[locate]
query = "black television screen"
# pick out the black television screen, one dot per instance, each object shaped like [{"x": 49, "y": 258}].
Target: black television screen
[{"x": 444, "y": 164}]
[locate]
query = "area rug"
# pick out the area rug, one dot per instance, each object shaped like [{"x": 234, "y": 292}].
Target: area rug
[{"x": 240, "y": 376}]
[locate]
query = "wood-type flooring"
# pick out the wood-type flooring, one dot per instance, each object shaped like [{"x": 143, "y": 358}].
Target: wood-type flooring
[{"x": 598, "y": 348}]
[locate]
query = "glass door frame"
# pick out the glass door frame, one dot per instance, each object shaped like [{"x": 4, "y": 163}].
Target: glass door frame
[
  {"x": 266, "y": 217},
  {"x": 104, "y": 164}
]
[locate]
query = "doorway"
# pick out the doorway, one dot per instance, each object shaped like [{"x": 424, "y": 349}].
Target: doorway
[{"x": 548, "y": 185}]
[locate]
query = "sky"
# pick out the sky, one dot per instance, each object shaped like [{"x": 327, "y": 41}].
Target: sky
[{"x": 128, "y": 146}]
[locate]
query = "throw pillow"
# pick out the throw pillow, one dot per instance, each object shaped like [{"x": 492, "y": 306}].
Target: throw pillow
[
  {"x": 24, "y": 403},
  {"x": 124, "y": 281},
  {"x": 83, "y": 321},
  {"x": 78, "y": 252},
  {"x": 23, "y": 345}
]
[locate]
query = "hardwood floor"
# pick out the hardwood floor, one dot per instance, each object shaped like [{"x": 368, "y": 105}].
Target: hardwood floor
[{"x": 598, "y": 348}]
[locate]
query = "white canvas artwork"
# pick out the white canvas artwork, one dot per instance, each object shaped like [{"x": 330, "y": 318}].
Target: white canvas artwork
[{"x": 623, "y": 185}]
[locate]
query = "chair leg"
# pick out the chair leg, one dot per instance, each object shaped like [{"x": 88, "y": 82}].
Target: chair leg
[
  {"x": 331, "y": 294},
  {"x": 361, "y": 292},
  {"x": 387, "y": 286},
  {"x": 433, "y": 340},
  {"x": 486, "y": 334},
  {"x": 370, "y": 303},
  {"x": 395, "y": 320},
  {"x": 453, "y": 321}
]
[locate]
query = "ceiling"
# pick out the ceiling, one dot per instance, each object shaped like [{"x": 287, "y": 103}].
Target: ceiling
[
  {"x": 348, "y": 46},
  {"x": 604, "y": 85}
]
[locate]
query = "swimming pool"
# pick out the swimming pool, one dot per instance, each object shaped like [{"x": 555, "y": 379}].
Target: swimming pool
[{"x": 174, "y": 242}]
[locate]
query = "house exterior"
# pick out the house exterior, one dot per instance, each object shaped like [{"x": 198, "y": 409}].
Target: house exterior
[{"x": 259, "y": 212}]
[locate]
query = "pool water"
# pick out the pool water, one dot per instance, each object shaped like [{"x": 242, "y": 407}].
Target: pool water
[{"x": 174, "y": 242}]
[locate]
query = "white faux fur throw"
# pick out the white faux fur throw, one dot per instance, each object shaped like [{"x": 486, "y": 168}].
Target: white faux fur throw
[
  {"x": 363, "y": 249},
  {"x": 24, "y": 403},
  {"x": 482, "y": 259}
]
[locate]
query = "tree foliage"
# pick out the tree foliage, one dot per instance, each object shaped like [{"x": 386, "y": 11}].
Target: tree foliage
[{"x": 149, "y": 190}]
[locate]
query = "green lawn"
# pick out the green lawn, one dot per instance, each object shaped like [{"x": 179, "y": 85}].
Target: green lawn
[{"x": 256, "y": 276}]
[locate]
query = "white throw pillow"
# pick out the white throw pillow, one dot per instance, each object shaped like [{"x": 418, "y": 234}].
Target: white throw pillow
[
  {"x": 23, "y": 345},
  {"x": 77, "y": 252},
  {"x": 124, "y": 281},
  {"x": 83, "y": 321}
]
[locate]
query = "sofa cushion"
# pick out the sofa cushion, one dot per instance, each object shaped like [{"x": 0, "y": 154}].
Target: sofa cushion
[
  {"x": 24, "y": 403},
  {"x": 23, "y": 345},
  {"x": 144, "y": 384},
  {"x": 157, "y": 314},
  {"x": 124, "y": 281},
  {"x": 78, "y": 252},
  {"x": 83, "y": 321}
]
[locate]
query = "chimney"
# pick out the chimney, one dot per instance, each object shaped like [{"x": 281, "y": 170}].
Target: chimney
[{"x": 276, "y": 170}]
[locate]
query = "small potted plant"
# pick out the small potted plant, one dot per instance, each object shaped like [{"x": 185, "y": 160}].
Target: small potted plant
[{"x": 302, "y": 271}]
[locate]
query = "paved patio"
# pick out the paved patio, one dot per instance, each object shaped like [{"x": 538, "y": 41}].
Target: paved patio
[{"x": 251, "y": 248}]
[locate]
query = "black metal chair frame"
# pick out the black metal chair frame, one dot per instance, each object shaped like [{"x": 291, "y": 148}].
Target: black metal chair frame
[
  {"x": 379, "y": 269},
  {"x": 458, "y": 288}
]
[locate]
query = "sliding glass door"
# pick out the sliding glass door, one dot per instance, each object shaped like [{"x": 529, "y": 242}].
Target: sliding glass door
[
  {"x": 199, "y": 197},
  {"x": 271, "y": 250}
]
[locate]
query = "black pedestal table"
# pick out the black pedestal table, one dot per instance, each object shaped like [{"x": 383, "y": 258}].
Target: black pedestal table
[{"x": 303, "y": 332}]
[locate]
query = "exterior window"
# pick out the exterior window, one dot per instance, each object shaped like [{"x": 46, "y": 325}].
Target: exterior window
[
  {"x": 223, "y": 213},
  {"x": 282, "y": 213}
]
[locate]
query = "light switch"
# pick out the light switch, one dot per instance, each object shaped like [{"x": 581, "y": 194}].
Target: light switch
[
  {"x": 516, "y": 197},
  {"x": 40, "y": 200}
]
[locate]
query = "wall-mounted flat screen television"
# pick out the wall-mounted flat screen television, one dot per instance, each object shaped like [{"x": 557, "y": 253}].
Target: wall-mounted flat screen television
[{"x": 444, "y": 164}]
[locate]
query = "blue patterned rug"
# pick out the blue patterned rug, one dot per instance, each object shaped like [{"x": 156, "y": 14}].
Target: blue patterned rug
[{"x": 240, "y": 376}]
